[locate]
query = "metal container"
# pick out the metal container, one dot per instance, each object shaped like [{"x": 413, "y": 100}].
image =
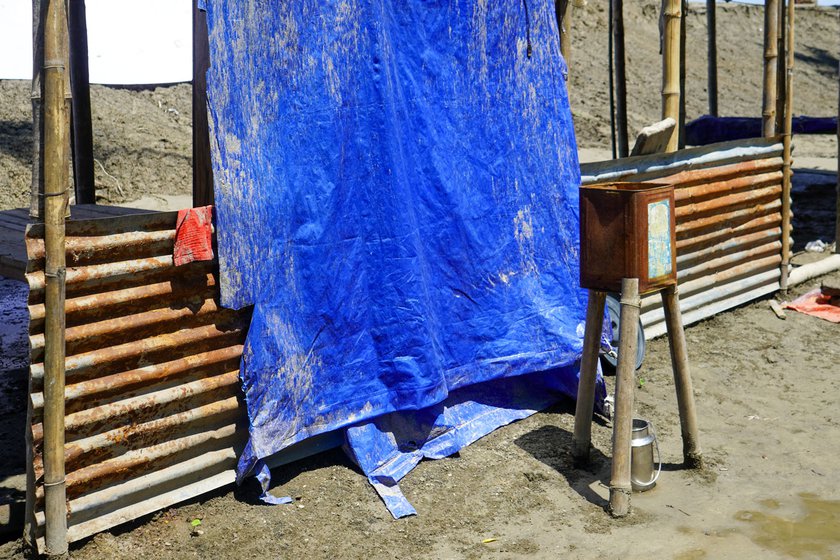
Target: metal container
[
  {"x": 643, "y": 476},
  {"x": 627, "y": 231}
]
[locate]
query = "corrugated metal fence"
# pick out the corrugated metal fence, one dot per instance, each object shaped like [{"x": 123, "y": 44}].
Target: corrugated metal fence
[
  {"x": 154, "y": 413},
  {"x": 728, "y": 214}
]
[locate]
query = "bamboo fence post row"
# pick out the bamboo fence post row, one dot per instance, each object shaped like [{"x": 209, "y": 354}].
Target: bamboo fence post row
[
  {"x": 771, "y": 54},
  {"x": 202, "y": 191},
  {"x": 788, "y": 138},
  {"x": 56, "y": 183},
  {"x": 563, "y": 11},
  {"x": 672, "y": 13},
  {"x": 681, "y": 120},
  {"x": 620, "y": 77},
  {"x": 837, "y": 219},
  {"x": 82, "y": 127},
  {"x": 781, "y": 68},
  {"x": 711, "y": 25}
]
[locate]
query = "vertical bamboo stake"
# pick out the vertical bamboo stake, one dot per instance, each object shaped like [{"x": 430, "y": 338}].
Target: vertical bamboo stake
[
  {"x": 771, "y": 53},
  {"x": 56, "y": 182},
  {"x": 585, "y": 404},
  {"x": 82, "y": 128},
  {"x": 711, "y": 24},
  {"x": 682, "y": 378},
  {"x": 202, "y": 168},
  {"x": 611, "y": 65},
  {"x": 671, "y": 67},
  {"x": 681, "y": 121},
  {"x": 620, "y": 77},
  {"x": 781, "y": 69},
  {"x": 563, "y": 11},
  {"x": 37, "y": 189},
  {"x": 787, "y": 139},
  {"x": 620, "y": 486}
]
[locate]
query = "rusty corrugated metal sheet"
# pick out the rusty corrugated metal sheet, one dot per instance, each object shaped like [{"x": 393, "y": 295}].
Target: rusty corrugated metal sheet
[
  {"x": 728, "y": 213},
  {"x": 154, "y": 413}
]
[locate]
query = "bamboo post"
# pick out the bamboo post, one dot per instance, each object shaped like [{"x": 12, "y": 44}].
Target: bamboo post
[
  {"x": 681, "y": 121},
  {"x": 620, "y": 77},
  {"x": 837, "y": 218},
  {"x": 202, "y": 168},
  {"x": 620, "y": 486},
  {"x": 585, "y": 404},
  {"x": 771, "y": 53},
  {"x": 682, "y": 378},
  {"x": 82, "y": 127},
  {"x": 563, "y": 11},
  {"x": 781, "y": 68},
  {"x": 711, "y": 25},
  {"x": 611, "y": 66},
  {"x": 36, "y": 209},
  {"x": 56, "y": 182},
  {"x": 787, "y": 172},
  {"x": 671, "y": 67}
]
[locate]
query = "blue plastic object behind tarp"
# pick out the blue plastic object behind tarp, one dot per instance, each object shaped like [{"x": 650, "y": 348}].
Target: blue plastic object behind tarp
[
  {"x": 396, "y": 190},
  {"x": 708, "y": 129}
]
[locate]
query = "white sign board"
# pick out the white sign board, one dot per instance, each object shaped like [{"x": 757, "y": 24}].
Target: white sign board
[{"x": 129, "y": 42}]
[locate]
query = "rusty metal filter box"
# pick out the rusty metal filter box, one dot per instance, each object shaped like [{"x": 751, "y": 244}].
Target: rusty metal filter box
[{"x": 627, "y": 230}]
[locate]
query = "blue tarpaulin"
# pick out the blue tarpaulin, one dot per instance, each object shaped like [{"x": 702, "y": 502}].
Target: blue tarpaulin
[{"x": 396, "y": 191}]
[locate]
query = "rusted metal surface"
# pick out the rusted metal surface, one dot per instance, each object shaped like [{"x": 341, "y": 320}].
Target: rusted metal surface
[
  {"x": 616, "y": 230},
  {"x": 728, "y": 222},
  {"x": 154, "y": 413}
]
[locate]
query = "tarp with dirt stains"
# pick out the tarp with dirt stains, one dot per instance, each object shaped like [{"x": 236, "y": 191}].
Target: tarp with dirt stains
[{"x": 396, "y": 186}]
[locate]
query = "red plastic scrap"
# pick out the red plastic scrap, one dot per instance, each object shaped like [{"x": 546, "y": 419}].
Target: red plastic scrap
[
  {"x": 817, "y": 304},
  {"x": 194, "y": 235}
]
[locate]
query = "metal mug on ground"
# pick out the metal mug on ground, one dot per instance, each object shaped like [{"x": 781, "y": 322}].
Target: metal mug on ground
[{"x": 642, "y": 476}]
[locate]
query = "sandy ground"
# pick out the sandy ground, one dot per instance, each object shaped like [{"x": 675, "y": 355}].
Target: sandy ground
[
  {"x": 766, "y": 394},
  {"x": 766, "y": 388}
]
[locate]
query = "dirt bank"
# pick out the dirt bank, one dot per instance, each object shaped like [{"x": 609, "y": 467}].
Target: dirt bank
[{"x": 142, "y": 139}]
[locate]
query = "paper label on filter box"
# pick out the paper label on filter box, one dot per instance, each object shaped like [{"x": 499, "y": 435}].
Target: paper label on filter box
[{"x": 659, "y": 239}]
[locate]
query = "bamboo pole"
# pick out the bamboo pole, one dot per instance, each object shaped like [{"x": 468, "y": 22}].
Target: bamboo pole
[
  {"x": 620, "y": 486},
  {"x": 781, "y": 68},
  {"x": 681, "y": 121},
  {"x": 37, "y": 188},
  {"x": 671, "y": 67},
  {"x": 202, "y": 168},
  {"x": 771, "y": 53},
  {"x": 611, "y": 65},
  {"x": 585, "y": 405},
  {"x": 82, "y": 127},
  {"x": 563, "y": 12},
  {"x": 56, "y": 182},
  {"x": 837, "y": 218},
  {"x": 711, "y": 25},
  {"x": 682, "y": 378},
  {"x": 787, "y": 172},
  {"x": 620, "y": 77}
]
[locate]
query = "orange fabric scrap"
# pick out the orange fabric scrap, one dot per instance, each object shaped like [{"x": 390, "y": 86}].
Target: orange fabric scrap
[
  {"x": 194, "y": 235},
  {"x": 816, "y": 304}
]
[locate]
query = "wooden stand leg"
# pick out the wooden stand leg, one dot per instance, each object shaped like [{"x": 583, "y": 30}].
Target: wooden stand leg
[
  {"x": 620, "y": 487},
  {"x": 588, "y": 370},
  {"x": 682, "y": 378}
]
